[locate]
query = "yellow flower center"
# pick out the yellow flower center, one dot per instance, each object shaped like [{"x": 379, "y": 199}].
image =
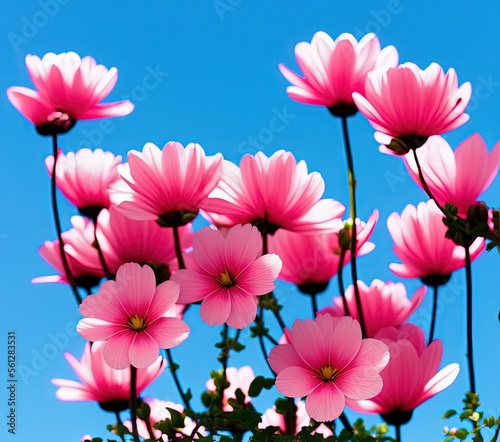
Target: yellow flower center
[
  {"x": 328, "y": 373},
  {"x": 225, "y": 279},
  {"x": 136, "y": 323}
]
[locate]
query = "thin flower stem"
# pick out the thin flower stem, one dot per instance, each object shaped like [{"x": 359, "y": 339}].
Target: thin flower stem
[
  {"x": 340, "y": 279},
  {"x": 173, "y": 370},
  {"x": 261, "y": 340},
  {"x": 119, "y": 421},
  {"x": 314, "y": 303},
  {"x": 352, "y": 203},
  {"x": 434, "y": 309},
  {"x": 225, "y": 356},
  {"x": 470, "y": 354},
  {"x": 55, "y": 212},
  {"x": 150, "y": 428},
  {"x": 178, "y": 248},
  {"x": 424, "y": 184},
  {"x": 345, "y": 422},
  {"x": 88, "y": 290},
  {"x": 133, "y": 402},
  {"x": 102, "y": 260},
  {"x": 398, "y": 433}
]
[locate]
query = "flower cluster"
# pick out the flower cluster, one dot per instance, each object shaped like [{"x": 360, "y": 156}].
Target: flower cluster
[{"x": 269, "y": 220}]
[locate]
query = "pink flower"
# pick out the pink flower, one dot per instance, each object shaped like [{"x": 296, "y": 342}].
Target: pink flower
[
  {"x": 228, "y": 274},
  {"x": 333, "y": 70},
  {"x": 84, "y": 178},
  {"x": 411, "y": 376},
  {"x": 273, "y": 419},
  {"x": 384, "y": 304},
  {"x": 101, "y": 383},
  {"x": 310, "y": 261},
  {"x": 160, "y": 413},
  {"x": 68, "y": 89},
  {"x": 132, "y": 315},
  {"x": 82, "y": 257},
  {"x": 328, "y": 362},
  {"x": 238, "y": 378},
  {"x": 420, "y": 243},
  {"x": 169, "y": 185},
  {"x": 407, "y": 105},
  {"x": 124, "y": 240},
  {"x": 456, "y": 177},
  {"x": 276, "y": 192}
]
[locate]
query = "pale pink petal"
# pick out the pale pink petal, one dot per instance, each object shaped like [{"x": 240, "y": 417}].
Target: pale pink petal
[
  {"x": 297, "y": 381},
  {"x": 283, "y": 356},
  {"x": 168, "y": 332},
  {"x": 116, "y": 350},
  {"x": 326, "y": 403},
  {"x": 143, "y": 350},
  {"x": 216, "y": 308}
]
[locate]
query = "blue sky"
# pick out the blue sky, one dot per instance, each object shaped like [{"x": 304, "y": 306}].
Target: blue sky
[{"x": 211, "y": 76}]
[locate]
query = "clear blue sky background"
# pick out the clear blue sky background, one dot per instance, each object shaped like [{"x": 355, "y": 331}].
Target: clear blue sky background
[{"x": 219, "y": 85}]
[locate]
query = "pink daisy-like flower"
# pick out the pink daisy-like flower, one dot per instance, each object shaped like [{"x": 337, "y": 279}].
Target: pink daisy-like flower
[
  {"x": 272, "y": 192},
  {"x": 407, "y": 105},
  {"x": 238, "y": 378},
  {"x": 310, "y": 261},
  {"x": 328, "y": 361},
  {"x": 132, "y": 315},
  {"x": 228, "y": 273},
  {"x": 160, "y": 413},
  {"x": 101, "y": 383},
  {"x": 411, "y": 376},
  {"x": 69, "y": 88},
  {"x": 333, "y": 70},
  {"x": 168, "y": 185},
  {"x": 271, "y": 418},
  {"x": 456, "y": 177},
  {"x": 83, "y": 259},
  {"x": 384, "y": 304},
  {"x": 84, "y": 178},
  {"x": 420, "y": 243},
  {"x": 124, "y": 240}
]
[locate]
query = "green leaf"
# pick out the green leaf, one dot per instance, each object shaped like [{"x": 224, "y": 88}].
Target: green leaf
[
  {"x": 258, "y": 384},
  {"x": 461, "y": 434},
  {"x": 247, "y": 419},
  {"x": 97, "y": 439},
  {"x": 143, "y": 411},
  {"x": 449, "y": 414},
  {"x": 282, "y": 405},
  {"x": 176, "y": 418},
  {"x": 466, "y": 414},
  {"x": 489, "y": 421}
]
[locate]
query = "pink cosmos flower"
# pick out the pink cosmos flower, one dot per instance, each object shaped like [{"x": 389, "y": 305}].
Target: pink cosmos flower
[
  {"x": 169, "y": 185},
  {"x": 238, "y": 378},
  {"x": 84, "y": 178},
  {"x": 384, "y": 304},
  {"x": 407, "y": 105},
  {"x": 456, "y": 177},
  {"x": 420, "y": 243},
  {"x": 411, "y": 376},
  {"x": 333, "y": 70},
  {"x": 101, "y": 383},
  {"x": 83, "y": 259},
  {"x": 328, "y": 362},
  {"x": 68, "y": 89},
  {"x": 276, "y": 192},
  {"x": 124, "y": 240},
  {"x": 310, "y": 261},
  {"x": 159, "y": 413},
  {"x": 271, "y": 418},
  {"x": 132, "y": 315},
  {"x": 228, "y": 274}
]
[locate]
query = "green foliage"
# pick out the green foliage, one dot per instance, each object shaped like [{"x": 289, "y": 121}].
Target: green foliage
[
  {"x": 476, "y": 420},
  {"x": 258, "y": 384}
]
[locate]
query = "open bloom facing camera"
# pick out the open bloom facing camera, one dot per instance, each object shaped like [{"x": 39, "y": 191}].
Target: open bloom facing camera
[{"x": 68, "y": 89}]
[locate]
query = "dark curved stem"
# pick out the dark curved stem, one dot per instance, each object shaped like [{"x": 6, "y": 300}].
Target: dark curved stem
[
  {"x": 352, "y": 197},
  {"x": 225, "y": 356},
  {"x": 102, "y": 260},
  {"x": 340, "y": 279},
  {"x": 434, "y": 309},
  {"x": 133, "y": 402},
  {"x": 57, "y": 221},
  {"x": 424, "y": 184},
  {"x": 261, "y": 339},
  {"x": 398, "y": 433},
  {"x": 314, "y": 303},
  {"x": 119, "y": 421},
  {"x": 345, "y": 422},
  {"x": 178, "y": 248},
  {"x": 470, "y": 354},
  {"x": 147, "y": 421},
  {"x": 88, "y": 290},
  {"x": 173, "y": 370}
]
